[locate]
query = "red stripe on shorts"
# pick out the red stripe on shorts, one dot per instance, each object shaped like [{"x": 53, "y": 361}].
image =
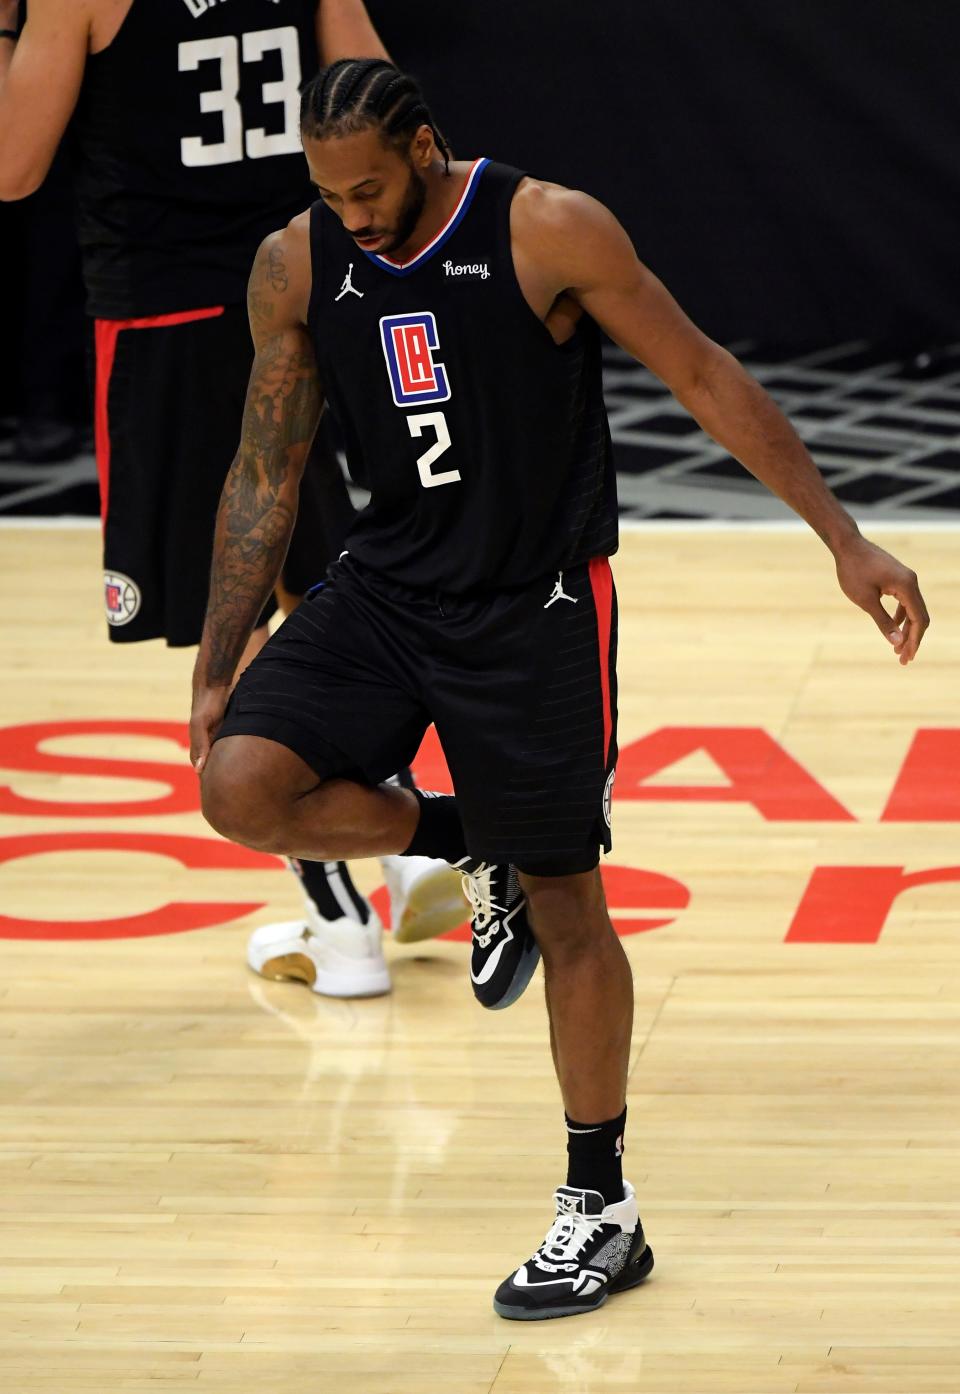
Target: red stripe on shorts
[
  {"x": 601, "y": 583},
  {"x": 106, "y": 332}
]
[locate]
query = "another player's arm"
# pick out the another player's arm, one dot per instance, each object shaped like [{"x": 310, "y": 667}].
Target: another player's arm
[
  {"x": 587, "y": 253},
  {"x": 258, "y": 506},
  {"x": 345, "y": 30},
  {"x": 40, "y": 78}
]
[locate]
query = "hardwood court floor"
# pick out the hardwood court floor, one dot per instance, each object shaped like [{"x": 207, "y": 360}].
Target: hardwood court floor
[{"x": 211, "y": 1183}]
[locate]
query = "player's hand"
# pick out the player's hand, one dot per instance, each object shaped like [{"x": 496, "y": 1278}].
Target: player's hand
[
  {"x": 206, "y": 717},
  {"x": 867, "y": 573},
  {"x": 9, "y": 14}
]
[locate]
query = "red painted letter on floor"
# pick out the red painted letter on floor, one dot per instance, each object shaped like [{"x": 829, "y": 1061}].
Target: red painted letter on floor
[
  {"x": 928, "y": 786},
  {"x": 20, "y": 750},
  {"x": 759, "y": 772},
  {"x": 850, "y": 904},
  {"x": 193, "y": 852}
]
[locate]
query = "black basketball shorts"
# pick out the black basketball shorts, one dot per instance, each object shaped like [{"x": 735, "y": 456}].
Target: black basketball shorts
[
  {"x": 169, "y": 406},
  {"x": 521, "y": 686}
]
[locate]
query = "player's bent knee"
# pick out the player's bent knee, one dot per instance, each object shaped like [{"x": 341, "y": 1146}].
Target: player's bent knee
[
  {"x": 235, "y": 802},
  {"x": 226, "y": 813}
]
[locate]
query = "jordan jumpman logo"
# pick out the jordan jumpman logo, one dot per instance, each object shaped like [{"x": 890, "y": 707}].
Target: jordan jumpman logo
[
  {"x": 559, "y": 593},
  {"x": 348, "y": 288}
]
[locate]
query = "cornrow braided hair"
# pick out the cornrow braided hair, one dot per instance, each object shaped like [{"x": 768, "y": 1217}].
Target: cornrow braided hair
[{"x": 357, "y": 93}]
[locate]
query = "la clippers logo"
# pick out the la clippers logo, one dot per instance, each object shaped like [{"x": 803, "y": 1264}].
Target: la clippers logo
[
  {"x": 608, "y": 799},
  {"x": 121, "y": 596},
  {"x": 409, "y": 345}
]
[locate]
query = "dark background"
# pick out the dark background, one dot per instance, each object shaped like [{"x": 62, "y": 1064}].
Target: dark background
[{"x": 790, "y": 168}]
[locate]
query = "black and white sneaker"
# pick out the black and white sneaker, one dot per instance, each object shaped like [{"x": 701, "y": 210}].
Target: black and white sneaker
[
  {"x": 504, "y": 953},
  {"x": 590, "y": 1251}
]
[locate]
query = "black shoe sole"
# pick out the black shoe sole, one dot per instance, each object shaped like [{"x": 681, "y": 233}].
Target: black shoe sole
[
  {"x": 518, "y": 983},
  {"x": 633, "y": 1274}
]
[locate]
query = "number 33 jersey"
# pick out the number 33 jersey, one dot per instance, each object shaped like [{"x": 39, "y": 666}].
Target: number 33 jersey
[
  {"x": 484, "y": 444},
  {"x": 189, "y": 151}
]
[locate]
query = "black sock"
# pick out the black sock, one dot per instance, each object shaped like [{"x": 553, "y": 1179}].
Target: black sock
[
  {"x": 594, "y": 1153},
  {"x": 439, "y": 832},
  {"x": 329, "y": 886}
]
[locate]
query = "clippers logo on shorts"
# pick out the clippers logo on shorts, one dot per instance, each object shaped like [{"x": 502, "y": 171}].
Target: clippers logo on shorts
[
  {"x": 122, "y": 597},
  {"x": 608, "y": 799},
  {"x": 409, "y": 345}
]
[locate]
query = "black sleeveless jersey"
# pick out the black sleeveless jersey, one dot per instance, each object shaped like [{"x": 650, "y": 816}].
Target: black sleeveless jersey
[
  {"x": 189, "y": 150},
  {"x": 485, "y": 445}
]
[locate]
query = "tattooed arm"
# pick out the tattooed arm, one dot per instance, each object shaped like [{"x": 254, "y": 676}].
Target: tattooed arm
[{"x": 258, "y": 506}]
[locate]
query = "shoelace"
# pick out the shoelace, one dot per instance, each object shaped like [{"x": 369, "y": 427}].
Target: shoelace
[
  {"x": 565, "y": 1238},
  {"x": 477, "y": 889}
]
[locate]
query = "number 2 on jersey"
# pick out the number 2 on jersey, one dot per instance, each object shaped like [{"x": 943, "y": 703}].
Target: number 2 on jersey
[
  {"x": 438, "y": 422},
  {"x": 225, "y": 99}
]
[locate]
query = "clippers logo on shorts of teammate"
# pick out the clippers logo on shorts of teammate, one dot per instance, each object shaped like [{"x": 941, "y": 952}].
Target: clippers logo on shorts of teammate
[
  {"x": 121, "y": 596},
  {"x": 409, "y": 345}
]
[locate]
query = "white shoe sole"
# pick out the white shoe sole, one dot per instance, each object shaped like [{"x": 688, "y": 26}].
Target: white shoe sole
[
  {"x": 435, "y": 904},
  {"x": 291, "y": 957}
]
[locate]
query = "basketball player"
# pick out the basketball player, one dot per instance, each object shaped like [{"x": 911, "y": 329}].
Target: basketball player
[
  {"x": 449, "y": 312},
  {"x": 173, "y": 204}
]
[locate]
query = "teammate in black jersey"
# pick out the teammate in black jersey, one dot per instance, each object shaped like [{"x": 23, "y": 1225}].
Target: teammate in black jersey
[
  {"x": 186, "y": 121},
  {"x": 174, "y": 195},
  {"x": 449, "y": 312}
]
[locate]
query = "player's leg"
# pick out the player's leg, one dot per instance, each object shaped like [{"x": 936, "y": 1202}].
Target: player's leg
[
  {"x": 533, "y": 774},
  {"x": 332, "y": 905},
  {"x": 258, "y": 791},
  {"x": 596, "y": 1245},
  {"x": 313, "y": 729},
  {"x": 589, "y": 992}
]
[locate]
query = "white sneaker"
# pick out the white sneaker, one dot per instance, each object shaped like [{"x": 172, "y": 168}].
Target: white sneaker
[
  {"x": 426, "y": 897},
  {"x": 336, "y": 958}
]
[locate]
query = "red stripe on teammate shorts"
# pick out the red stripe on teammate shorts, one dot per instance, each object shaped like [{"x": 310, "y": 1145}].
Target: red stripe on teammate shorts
[
  {"x": 601, "y": 583},
  {"x": 106, "y": 333}
]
